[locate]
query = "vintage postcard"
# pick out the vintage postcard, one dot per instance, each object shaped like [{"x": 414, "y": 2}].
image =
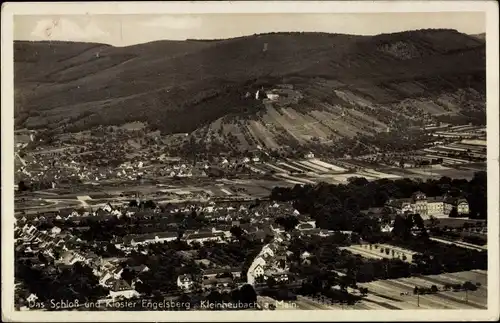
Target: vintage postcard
[{"x": 250, "y": 161}]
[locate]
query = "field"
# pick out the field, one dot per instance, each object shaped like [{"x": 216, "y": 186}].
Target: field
[
  {"x": 392, "y": 289},
  {"x": 397, "y": 294}
]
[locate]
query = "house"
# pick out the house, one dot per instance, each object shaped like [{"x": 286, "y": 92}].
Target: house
[
  {"x": 272, "y": 96},
  {"x": 185, "y": 282},
  {"x": 305, "y": 255},
  {"x": 70, "y": 258},
  {"x": 121, "y": 288},
  {"x": 386, "y": 228},
  {"x": 55, "y": 231},
  {"x": 309, "y": 155},
  {"x": 32, "y": 298},
  {"x": 205, "y": 236},
  {"x": 256, "y": 270},
  {"x": 462, "y": 207}
]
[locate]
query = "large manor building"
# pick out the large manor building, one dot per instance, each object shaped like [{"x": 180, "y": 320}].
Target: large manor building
[{"x": 438, "y": 206}]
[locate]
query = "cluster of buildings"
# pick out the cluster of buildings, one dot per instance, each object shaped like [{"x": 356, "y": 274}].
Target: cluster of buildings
[
  {"x": 270, "y": 262},
  {"x": 438, "y": 206},
  {"x": 210, "y": 279},
  {"x": 65, "y": 250}
]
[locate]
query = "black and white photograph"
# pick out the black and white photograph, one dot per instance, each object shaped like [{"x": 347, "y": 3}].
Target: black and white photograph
[{"x": 254, "y": 161}]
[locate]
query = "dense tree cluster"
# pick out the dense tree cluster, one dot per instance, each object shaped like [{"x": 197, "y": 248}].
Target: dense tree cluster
[{"x": 335, "y": 206}]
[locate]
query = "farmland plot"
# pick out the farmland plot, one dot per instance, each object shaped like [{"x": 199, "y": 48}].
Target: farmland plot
[
  {"x": 290, "y": 167},
  {"x": 352, "y": 98},
  {"x": 314, "y": 167},
  {"x": 287, "y": 124},
  {"x": 377, "y": 174},
  {"x": 336, "y": 123},
  {"x": 449, "y": 102},
  {"x": 317, "y": 126},
  {"x": 254, "y": 133},
  {"x": 430, "y": 107},
  {"x": 301, "y": 166},
  {"x": 296, "y": 180},
  {"x": 327, "y": 165},
  {"x": 285, "y": 112},
  {"x": 276, "y": 168},
  {"x": 260, "y": 132},
  {"x": 302, "y": 124},
  {"x": 369, "y": 119},
  {"x": 408, "y": 88},
  {"x": 235, "y": 130},
  {"x": 308, "y": 125}
]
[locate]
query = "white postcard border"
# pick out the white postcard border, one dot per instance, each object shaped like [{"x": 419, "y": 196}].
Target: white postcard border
[{"x": 11, "y": 9}]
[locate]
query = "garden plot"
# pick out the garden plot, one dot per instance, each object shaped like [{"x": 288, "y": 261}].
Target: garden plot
[{"x": 327, "y": 165}]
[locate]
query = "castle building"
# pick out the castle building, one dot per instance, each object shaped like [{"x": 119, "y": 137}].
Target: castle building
[{"x": 438, "y": 206}]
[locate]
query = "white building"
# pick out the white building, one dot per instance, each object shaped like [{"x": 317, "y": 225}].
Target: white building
[
  {"x": 122, "y": 289},
  {"x": 309, "y": 155},
  {"x": 272, "y": 96},
  {"x": 185, "y": 282}
]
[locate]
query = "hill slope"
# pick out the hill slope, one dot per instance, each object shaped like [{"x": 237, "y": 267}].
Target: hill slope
[{"x": 342, "y": 84}]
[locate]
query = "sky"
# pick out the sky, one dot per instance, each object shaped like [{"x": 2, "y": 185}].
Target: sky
[{"x": 125, "y": 30}]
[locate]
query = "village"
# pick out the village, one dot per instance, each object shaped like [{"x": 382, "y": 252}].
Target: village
[{"x": 214, "y": 246}]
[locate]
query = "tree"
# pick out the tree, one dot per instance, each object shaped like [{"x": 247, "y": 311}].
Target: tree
[
  {"x": 271, "y": 282},
  {"x": 248, "y": 294},
  {"x": 433, "y": 221},
  {"x": 127, "y": 275},
  {"x": 434, "y": 289},
  {"x": 21, "y": 186},
  {"x": 454, "y": 212},
  {"x": 236, "y": 231}
]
